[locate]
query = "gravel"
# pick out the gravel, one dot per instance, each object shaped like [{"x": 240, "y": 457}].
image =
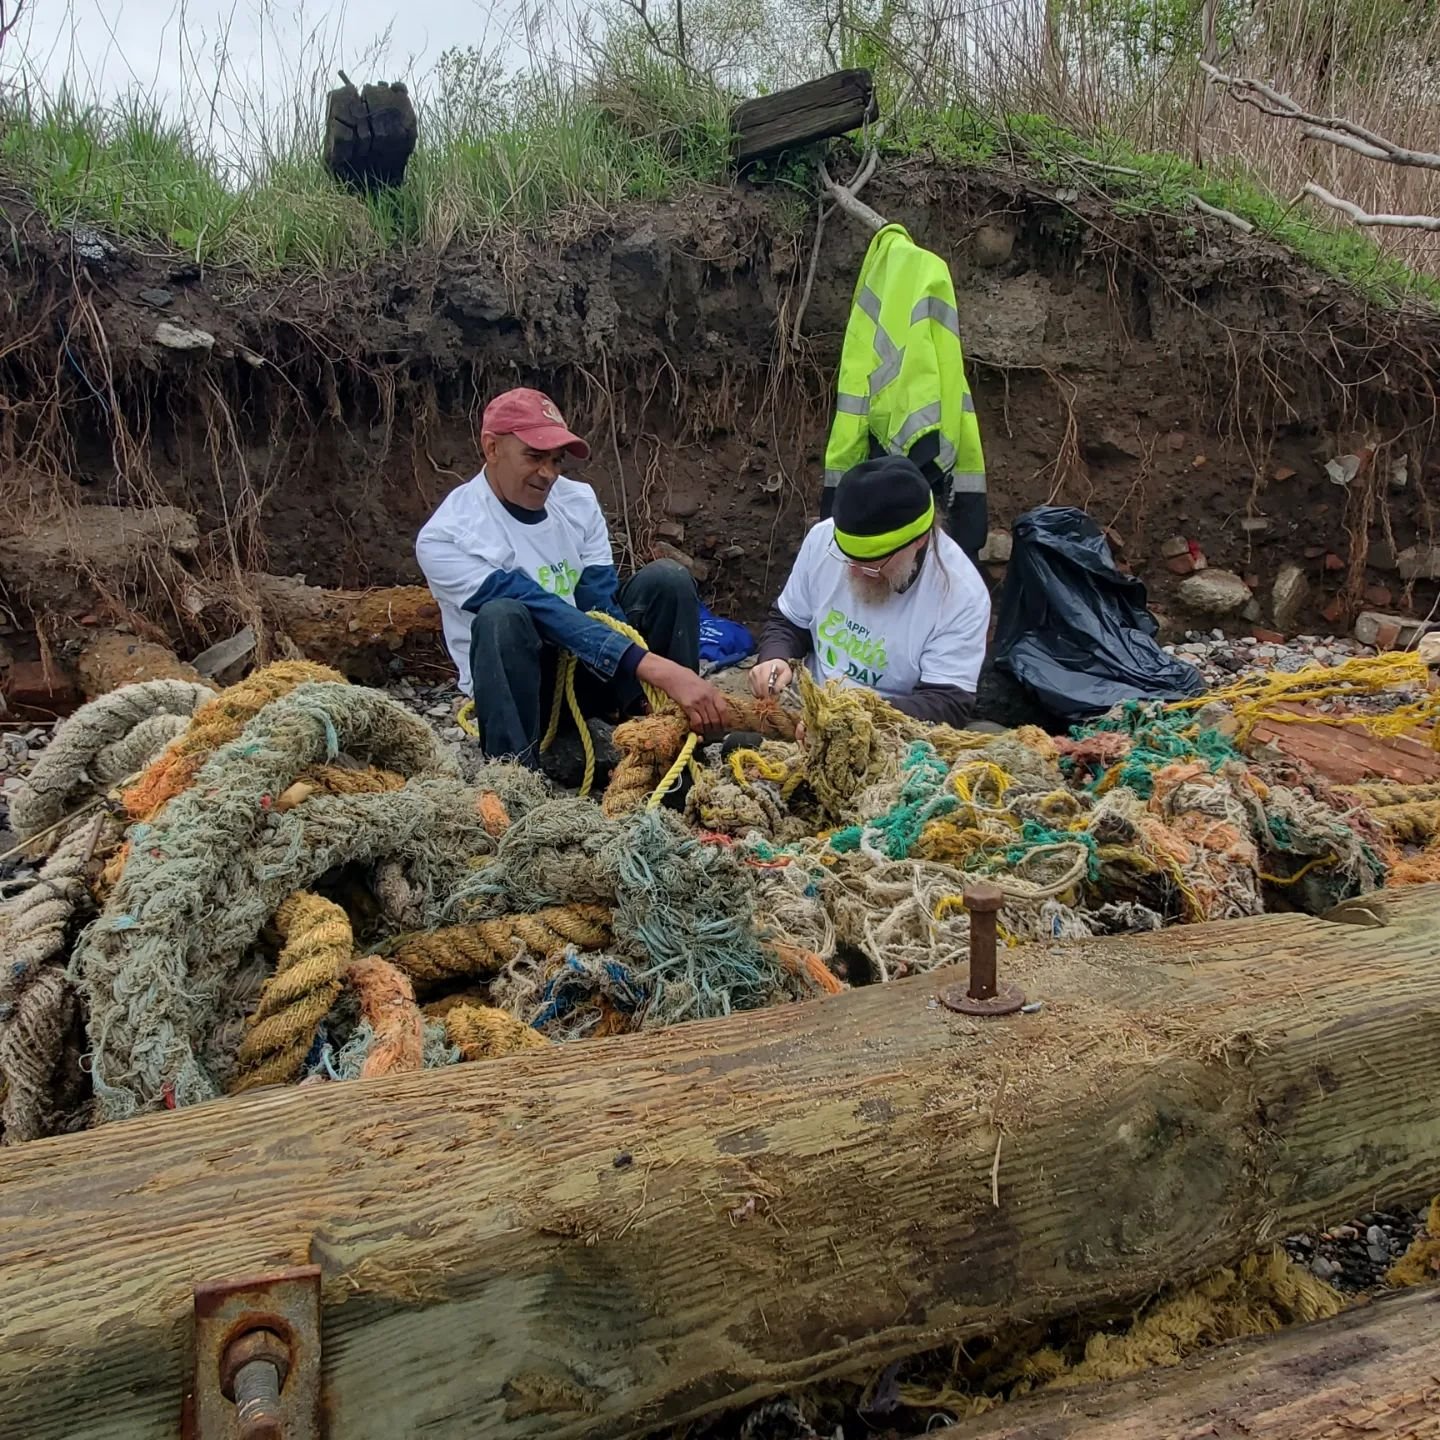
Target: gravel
[{"x": 1354, "y": 1257}]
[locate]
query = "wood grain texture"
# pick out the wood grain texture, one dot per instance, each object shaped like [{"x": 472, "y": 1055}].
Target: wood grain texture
[
  {"x": 624, "y": 1233},
  {"x": 1372, "y": 1373},
  {"x": 833, "y": 105}
]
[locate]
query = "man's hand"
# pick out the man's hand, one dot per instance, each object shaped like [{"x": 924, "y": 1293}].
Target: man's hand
[
  {"x": 766, "y": 671},
  {"x": 703, "y": 704}
]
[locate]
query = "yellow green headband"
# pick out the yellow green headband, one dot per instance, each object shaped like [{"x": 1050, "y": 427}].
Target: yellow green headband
[{"x": 876, "y": 547}]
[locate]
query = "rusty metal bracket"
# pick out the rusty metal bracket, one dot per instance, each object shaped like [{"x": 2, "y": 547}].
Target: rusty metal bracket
[
  {"x": 257, "y": 1358},
  {"x": 984, "y": 995}
]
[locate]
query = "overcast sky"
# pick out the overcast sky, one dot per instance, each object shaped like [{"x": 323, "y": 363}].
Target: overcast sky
[{"x": 170, "y": 47}]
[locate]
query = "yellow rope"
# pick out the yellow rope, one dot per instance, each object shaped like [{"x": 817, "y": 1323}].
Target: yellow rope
[
  {"x": 1301, "y": 873},
  {"x": 293, "y": 1002},
  {"x": 660, "y": 704},
  {"x": 1258, "y": 698}
]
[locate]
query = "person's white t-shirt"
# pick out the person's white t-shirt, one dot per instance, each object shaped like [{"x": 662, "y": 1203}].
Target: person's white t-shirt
[
  {"x": 932, "y": 634},
  {"x": 472, "y": 536}
]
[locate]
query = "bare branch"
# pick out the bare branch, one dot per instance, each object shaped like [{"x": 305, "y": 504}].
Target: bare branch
[
  {"x": 1332, "y": 130},
  {"x": 847, "y": 201},
  {"x": 641, "y": 9},
  {"x": 1364, "y": 217},
  {"x": 10, "y": 13},
  {"x": 1228, "y": 216}
]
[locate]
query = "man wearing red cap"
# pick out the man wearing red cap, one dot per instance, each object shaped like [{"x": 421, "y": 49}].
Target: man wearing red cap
[{"x": 518, "y": 555}]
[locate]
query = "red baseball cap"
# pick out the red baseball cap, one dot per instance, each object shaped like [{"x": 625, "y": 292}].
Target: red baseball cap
[{"x": 535, "y": 418}]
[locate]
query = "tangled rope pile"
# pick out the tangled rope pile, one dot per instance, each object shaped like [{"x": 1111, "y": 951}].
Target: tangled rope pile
[{"x": 289, "y": 882}]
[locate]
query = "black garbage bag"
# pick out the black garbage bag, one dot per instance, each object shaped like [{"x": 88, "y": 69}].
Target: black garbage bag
[{"x": 1075, "y": 631}]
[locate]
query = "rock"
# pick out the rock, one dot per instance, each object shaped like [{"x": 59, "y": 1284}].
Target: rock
[
  {"x": 1381, "y": 555},
  {"x": 1181, "y": 564},
  {"x": 1282, "y": 472},
  {"x": 228, "y": 653},
  {"x": 1252, "y": 612},
  {"x": 998, "y": 548},
  {"x": 1174, "y": 547},
  {"x": 1334, "y": 609},
  {"x": 1333, "y": 562},
  {"x": 1215, "y": 592},
  {"x": 1419, "y": 562},
  {"x": 1255, "y": 524},
  {"x": 1112, "y": 443},
  {"x": 1288, "y": 596},
  {"x": 682, "y": 504},
  {"x": 698, "y": 568},
  {"x": 993, "y": 245},
  {"x": 671, "y": 530},
  {"x": 111, "y": 659},
  {"x": 183, "y": 337},
  {"x": 733, "y": 552},
  {"x": 1377, "y": 1243},
  {"x": 157, "y": 297},
  {"x": 90, "y": 245},
  {"x": 1375, "y": 627},
  {"x": 1343, "y": 469},
  {"x": 1323, "y": 1269},
  {"x": 1379, "y": 596},
  {"x": 1269, "y": 637}
]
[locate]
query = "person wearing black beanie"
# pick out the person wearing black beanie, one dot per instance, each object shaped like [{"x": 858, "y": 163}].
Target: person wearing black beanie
[{"x": 880, "y": 596}]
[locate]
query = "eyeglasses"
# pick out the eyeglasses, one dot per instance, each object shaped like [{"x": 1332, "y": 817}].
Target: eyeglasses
[{"x": 872, "y": 572}]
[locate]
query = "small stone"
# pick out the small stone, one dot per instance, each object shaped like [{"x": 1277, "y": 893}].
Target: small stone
[
  {"x": 1252, "y": 612},
  {"x": 183, "y": 337},
  {"x": 1283, "y": 472},
  {"x": 671, "y": 530},
  {"x": 1174, "y": 546},
  {"x": 1345, "y": 1232},
  {"x": 698, "y": 568},
  {"x": 1288, "y": 596},
  {"x": 1215, "y": 592},
  {"x": 1269, "y": 637},
  {"x": 1374, "y": 627},
  {"x": 438, "y": 712},
  {"x": 998, "y": 548},
  {"x": 993, "y": 245},
  {"x": 1181, "y": 564},
  {"x": 1334, "y": 610},
  {"x": 1381, "y": 555},
  {"x": 1379, "y": 596},
  {"x": 682, "y": 505},
  {"x": 1377, "y": 1243},
  {"x": 1323, "y": 1269},
  {"x": 157, "y": 297},
  {"x": 1419, "y": 563},
  {"x": 1255, "y": 524},
  {"x": 1333, "y": 562}
]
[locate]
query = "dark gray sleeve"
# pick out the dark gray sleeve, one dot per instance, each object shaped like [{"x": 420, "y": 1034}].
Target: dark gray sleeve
[
  {"x": 937, "y": 704},
  {"x": 782, "y": 640}
]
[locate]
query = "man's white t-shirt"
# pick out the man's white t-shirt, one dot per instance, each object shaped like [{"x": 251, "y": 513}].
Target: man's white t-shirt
[
  {"x": 932, "y": 634},
  {"x": 472, "y": 536}
]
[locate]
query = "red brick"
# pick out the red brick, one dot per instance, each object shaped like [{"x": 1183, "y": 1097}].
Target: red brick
[
  {"x": 1314, "y": 552},
  {"x": 1253, "y": 581},
  {"x": 1334, "y": 611},
  {"x": 1267, "y": 637},
  {"x": 1181, "y": 564},
  {"x": 1379, "y": 596},
  {"x": 1387, "y": 636},
  {"x": 1333, "y": 561},
  {"x": 31, "y": 687}
]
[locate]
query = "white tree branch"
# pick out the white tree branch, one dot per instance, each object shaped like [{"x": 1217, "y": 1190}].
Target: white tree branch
[
  {"x": 1333, "y": 130},
  {"x": 1228, "y": 216},
  {"x": 1364, "y": 217},
  {"x": 850, "y": 203}
]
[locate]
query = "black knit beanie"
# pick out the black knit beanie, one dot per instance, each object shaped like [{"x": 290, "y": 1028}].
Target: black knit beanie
[{"x": 881, "y": 506}]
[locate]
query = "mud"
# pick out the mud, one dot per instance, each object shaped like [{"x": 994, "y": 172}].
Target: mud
[{"x": 1172, "y": 377}]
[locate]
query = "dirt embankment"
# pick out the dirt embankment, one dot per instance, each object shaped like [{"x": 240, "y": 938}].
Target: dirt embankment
[{"x": 1173, "y": 378}]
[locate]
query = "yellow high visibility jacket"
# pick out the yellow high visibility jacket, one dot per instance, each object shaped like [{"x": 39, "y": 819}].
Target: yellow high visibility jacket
[{"x": 902, "y": 380}]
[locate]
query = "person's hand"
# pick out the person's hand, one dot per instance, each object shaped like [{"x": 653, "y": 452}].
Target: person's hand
[
  {"x": 800, "y": 734},
  {"x": 761, "y": 675},
  {"x": 703, "y": 704}
]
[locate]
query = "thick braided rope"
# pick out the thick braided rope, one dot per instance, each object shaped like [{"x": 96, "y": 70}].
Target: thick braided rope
[
  {"x": 39, "y": 919},
  {"x": 216, "y": 723},
  {"x": 482, "y": 1032},
  {"x": 183, "y": 910},
  {"x": 482, "y": 950},
  {"x": 43, "y": 1084},
  {"x": 387, "y": 1005},
  {"x": 62, "y": 775},
  {"x": 307, "y": 980}
]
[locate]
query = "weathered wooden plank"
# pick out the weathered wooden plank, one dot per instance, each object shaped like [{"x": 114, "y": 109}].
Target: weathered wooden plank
[
  {"x": 833, "y": 105},
  {"x": 630, "y": 1232},
  {"x": 1373, "y": 1372}
]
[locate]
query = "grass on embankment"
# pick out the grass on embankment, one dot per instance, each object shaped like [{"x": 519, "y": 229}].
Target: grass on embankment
[{"x": 536, "y": 156}]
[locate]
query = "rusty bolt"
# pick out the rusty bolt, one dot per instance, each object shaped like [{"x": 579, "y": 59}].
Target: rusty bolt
[
  {"x": 982, "y": 901},
  {"x": 984, "y": 995},
  {"x": 252, "y": 1374}
]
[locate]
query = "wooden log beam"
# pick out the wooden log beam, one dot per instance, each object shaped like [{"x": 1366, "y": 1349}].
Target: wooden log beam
[
  {"x": 832, "y": 105},
  {"x": 356, "y": 631},
  {"x": 1372, "y": 1372},
  {"x": 603, "y": 1239}
]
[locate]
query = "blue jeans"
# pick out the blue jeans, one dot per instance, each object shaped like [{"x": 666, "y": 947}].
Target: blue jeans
[{"x": 513, "y": 670}]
